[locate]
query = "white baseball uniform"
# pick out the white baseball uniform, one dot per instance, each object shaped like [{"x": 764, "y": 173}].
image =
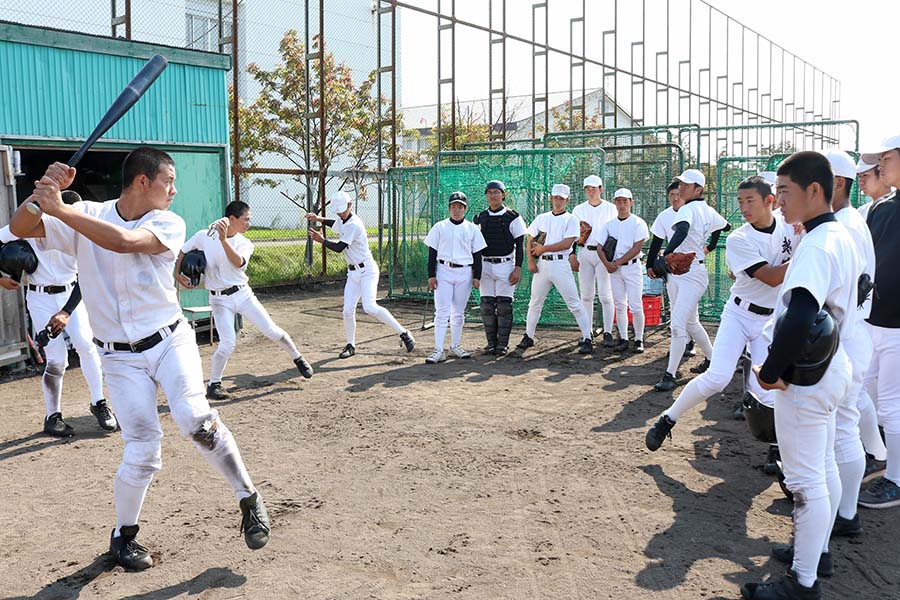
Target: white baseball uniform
[
  {"x": 805, "y": 415},
  {"x": 627, "y": 281},
  {"x": 748, "y": 309},
  {"x": 230, "y": 294},
  {"x": 592, "y": 275},
  {"x": 455, "y": 243},
  {"x": 554, "y": 270},
  {"x": 47, "y": 291},
  {"x": 702, "y": 220},
  {"x": 132, "y": 306}
]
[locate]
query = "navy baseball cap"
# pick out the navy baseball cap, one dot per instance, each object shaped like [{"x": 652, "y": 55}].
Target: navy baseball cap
[
  {"x": 496, "y": 184},
  {"x": 460, "y": 198}
]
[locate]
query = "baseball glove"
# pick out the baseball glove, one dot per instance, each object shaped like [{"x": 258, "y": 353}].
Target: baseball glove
[
  {"x": 679, "y": 263},
  {"x": 585, "y": 233},
  {"x": 609, "y": 248},
  {"x": 540, "y": 238}
]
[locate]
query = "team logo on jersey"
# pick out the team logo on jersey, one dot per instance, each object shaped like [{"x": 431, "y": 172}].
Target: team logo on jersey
[{"x": 786, "y": 246}]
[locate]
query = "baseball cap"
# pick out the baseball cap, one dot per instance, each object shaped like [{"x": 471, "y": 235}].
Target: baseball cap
[
  {"x": 693, "y": 176},
  {"x": 874, "y": 154},
  {"x": 623, "y": 193},
  {"x": 460, "y": 198},
  {"x": 842, "y": 164},
  {"x": 770, "y": 177},
  {"x": 495, "y": 184},
  {"x": 340, "y": 201},
  {"x": 593, "y": 180},
  {"x": 862, "y": 166},
  {"x": 560, "y": 189}
]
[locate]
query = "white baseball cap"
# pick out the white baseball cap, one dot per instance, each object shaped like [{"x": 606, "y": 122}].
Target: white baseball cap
[
  {"x": 560, "y": 189},
  {"x": 693, "y": 176},
  {"x": 862, "y": 166},
  {"x": 623, "y": 193},
  {"x": 770, "y": 176},
  {"x": 874, "y": 154},
  {"x": 593, "y": 180},
  {"x": 842, "y": 164},
  {"x": 340, "y": 201}
]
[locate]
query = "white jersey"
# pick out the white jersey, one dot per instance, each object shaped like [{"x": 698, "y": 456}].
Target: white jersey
[
  {"x": 220, "y": 274},
  {"x": 596, "y": 217},
  {"x": 662, "y": 225},
  {"x": 455, "y": 243},
  {"x": 703, "y": 220},
  {"x": 557, "y": 227},
  {"x": 862, "y": 240},
  {"x": 353, "y": 233},
  {"x": 748, "y": 246},
  {"x": 54, "y": 268},
  {"x": 627, "y": 232},
  {"x": 128, "y": 296}
]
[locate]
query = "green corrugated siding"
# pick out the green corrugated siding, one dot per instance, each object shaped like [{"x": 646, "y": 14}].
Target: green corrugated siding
[{"x": 61, "y": 93}]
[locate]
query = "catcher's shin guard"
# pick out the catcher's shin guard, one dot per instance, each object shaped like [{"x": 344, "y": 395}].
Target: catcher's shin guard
[
  {"x": 504, "y": 320},
  {"x": 489, "y": 318}
]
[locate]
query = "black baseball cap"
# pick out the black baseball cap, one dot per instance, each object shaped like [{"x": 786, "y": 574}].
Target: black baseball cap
[
  {"x": 459, "y": 197},
  {"x": 495, "y": 184}
]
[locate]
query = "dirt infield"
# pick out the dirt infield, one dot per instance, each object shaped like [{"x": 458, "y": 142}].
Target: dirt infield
[{"x": 389, "y": 478}]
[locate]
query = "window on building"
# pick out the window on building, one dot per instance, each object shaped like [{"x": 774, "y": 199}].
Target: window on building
[{"x": 202, "y": 25}]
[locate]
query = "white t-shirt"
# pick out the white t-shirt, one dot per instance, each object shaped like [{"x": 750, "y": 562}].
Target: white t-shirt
[
  {"x": 862, "y": 241},
  {"x": 557, "y": 227},
  {"x": 627, "y": 232},
  {"x": 662, "y": 225},
  {"x": 747, "y": 246},
  {"x": 455, "y": 243},
  {"x": 54, "y": 268},
  {"x": 127, "y": 296},
  {"x": 353, "y": 233},
  {"x": 596, "y": 217},
  {"x": 220, "y": 274},
  {"x": 703, "y": 220}
]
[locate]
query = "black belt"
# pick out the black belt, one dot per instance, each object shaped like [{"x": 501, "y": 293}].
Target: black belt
[
  {"x": 140, "y": 345},
  {"x": 48, "y": 289},
  {"x": 451, "y": 264},
  {"x": 553, "y": 256},
  {"x": 591, "y": 248},
  {"x": 631, "y": 262},
  {"x": 497, "y": 259},
  {"x": 754, "y": 308},
  {"x": 355, "y": 267},
  {"x": 226, "y": 291}
]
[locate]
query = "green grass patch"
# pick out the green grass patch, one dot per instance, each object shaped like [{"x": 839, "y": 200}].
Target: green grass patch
[
  {"x": 264, "y": 233},
  {"x": 287, "y": 263}
]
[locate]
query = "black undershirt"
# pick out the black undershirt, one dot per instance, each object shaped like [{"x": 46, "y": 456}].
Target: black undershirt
[{"x": 74, "y": 299}]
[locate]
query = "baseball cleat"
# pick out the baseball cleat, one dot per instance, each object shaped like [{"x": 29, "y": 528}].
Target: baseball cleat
[
  {"x": 657, "y": 434},
  {"x": 214, "y": 391},
  {"x": 884, "y": 493},
  {"x": 874, "y": 468},
  {"x": 438, "y": 356},
  {"x": 500, "y": 351},
  {"x": 304, "y": 367},
  {"x": 738, "y": 413},
  {"x": 458, "y": 352},
  {"x": 666, "y": 384},
  {"x": 772, "y": 459},
  {"x": 638, "y": 347},
  {"x": 126, "y": 551},
  {"x": 847, "y": 527},
  {"x": 526, "y": 342},
  {"x": 489, "y": 350},
  {"x": 785, "y": 553},
  {"x": 608, "y": 340},
  {"x": 786, "y": 588},
  {"x": 347, "y": 352},
  {"x": 689, "y": 349},
  {"x": 701, "y": 368},
  {"x": 57, "y": 427},
  {"x": 105, "y": 419},
  {"x": 622, "y": 346},
  {"x": 585, "y": 346},
  {"x": 254, "y": 521},
  {"x": 408, "y": 341}
]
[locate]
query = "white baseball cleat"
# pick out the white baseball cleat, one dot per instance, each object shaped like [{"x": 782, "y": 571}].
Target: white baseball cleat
[
  {"x": 436, "y": 357},
  {"x": 458, "y": 352}
]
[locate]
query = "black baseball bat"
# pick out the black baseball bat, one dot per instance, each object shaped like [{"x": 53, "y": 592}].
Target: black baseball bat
[{"x": 128, "y": 98}]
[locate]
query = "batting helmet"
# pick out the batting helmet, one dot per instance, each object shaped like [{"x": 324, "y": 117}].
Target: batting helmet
[
  {"x": 819, "y": 348},
  {"x": 192, "y": 265},
  {"x": 760, "y": 418},
  {"x": 17, "y": 256}
]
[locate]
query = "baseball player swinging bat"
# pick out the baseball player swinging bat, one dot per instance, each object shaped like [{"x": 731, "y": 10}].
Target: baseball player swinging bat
[{"x": 128, "y": 98}]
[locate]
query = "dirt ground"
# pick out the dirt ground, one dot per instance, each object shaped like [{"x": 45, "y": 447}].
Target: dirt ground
[{"x": 386, "y": 478}]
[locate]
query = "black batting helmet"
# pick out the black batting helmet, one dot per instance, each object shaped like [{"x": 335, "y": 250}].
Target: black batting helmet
[
  {"x": 192, "y": 265},
  {"x": 760, "y": 418},
  {"x": 17, "y": 256},
  {"x": 820, "y": 347}
]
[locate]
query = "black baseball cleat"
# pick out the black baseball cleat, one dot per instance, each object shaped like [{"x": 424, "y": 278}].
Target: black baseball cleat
[
  {"x": 874, "y": 468},
  {"x": 638, "y": 347},
  {"x": 408, "y": 341},
  {"x": 738, "y": 412},
  {"x": 347, "y": 352},
  {"x": 500, "y": 351},
  {"x": 786, "y": 588},
  {"x": 772, "y": 458},
  {"x": 585, "y": 346},
  {"x": 526, "y": 342},
  {"x": 847, "y": 527},
  {"x": 55, "y": 425},
  {"x": 689, "y": 349},
  {"x": 622, "y": 346},
  {"x": 701, "y": 368},
  {"x": 214, "y": 391},
  {"x": 608, "y": 340},
  {"x": 304, "y": 367},
  {"x": 666, "y": 384},
  {"x": 489, "y": 350},
  {"x": 785, "y": 553},
  {"x": 105, "y": 419},
  {"x": 254, "y": 521},
  {"x": 657, "y": 434},
  {"x": 127, "y": 552}
]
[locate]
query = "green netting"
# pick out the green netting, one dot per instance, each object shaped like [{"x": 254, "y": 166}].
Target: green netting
[{"x": 686, "y": 136}]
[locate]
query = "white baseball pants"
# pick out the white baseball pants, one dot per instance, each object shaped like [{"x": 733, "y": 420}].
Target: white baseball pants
[
  {"x": 594, "y": 278},
  {"x": 495, "y": 279},
  {"x": 685, "y": 319},
  {"x": 454, "y": 286},
  {"x": 555, "y": 273},
  {"x": 883, "y": 378},
  {"x": 363, "y": 284},
  {"x": 628, "y": 290}
]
